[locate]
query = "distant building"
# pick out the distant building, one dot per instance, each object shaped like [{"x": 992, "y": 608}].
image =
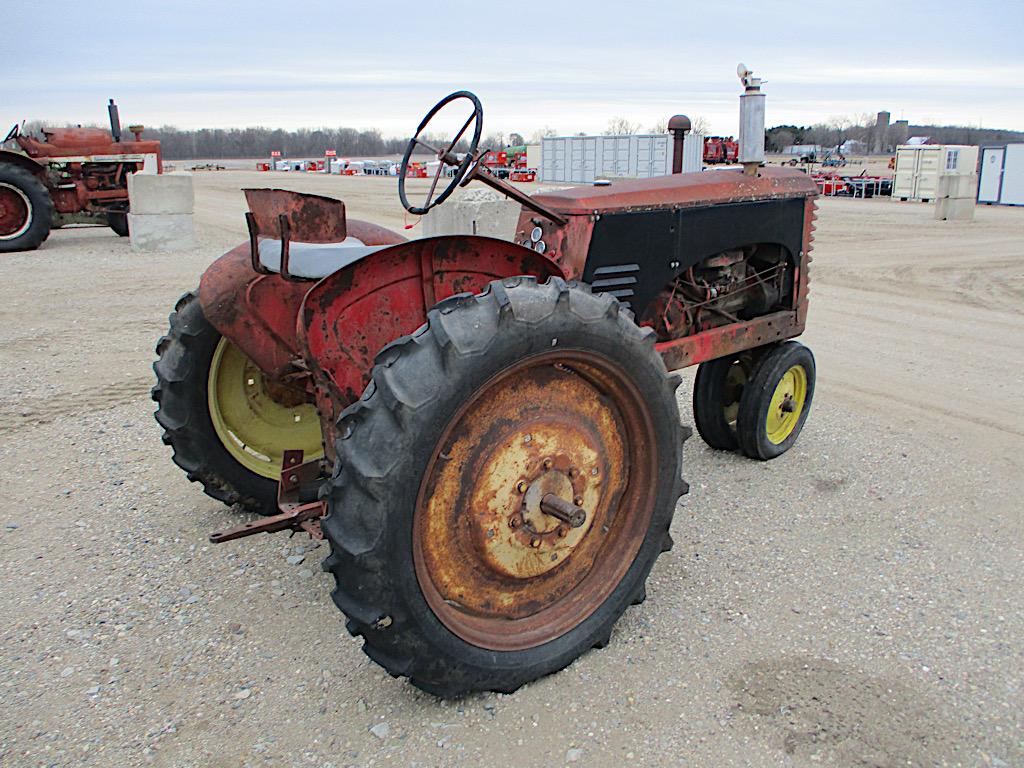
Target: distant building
[
  {"x": 880, "y": 133},
  {"x": 898, "y": 133}
]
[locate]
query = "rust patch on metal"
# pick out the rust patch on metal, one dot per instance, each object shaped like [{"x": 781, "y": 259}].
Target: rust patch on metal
[
  {"x": 311, "y": 218},
  {"x": 496, "y": 569},
  {"x": 726, "y": 339}
]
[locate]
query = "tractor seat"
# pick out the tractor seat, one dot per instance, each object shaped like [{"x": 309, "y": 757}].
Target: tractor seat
[{"x": 315, "y": 260}]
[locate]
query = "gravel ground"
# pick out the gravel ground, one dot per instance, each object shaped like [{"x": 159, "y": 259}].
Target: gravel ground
[{"x": 856, "y": 602}]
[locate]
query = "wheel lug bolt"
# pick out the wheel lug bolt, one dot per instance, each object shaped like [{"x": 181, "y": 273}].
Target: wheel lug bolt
[
  {"x": 548, "y": 463},
  {"x": 578, "y": 501},
  {"x": 521, "y": 487},
  {"x": 513, "y": 522},
  {"x": 562, "y": 531},
  {"x": 534, "y": 543}
]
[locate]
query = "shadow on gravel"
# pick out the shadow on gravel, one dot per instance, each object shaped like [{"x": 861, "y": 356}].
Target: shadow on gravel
[{"x": 815, "y": 708}]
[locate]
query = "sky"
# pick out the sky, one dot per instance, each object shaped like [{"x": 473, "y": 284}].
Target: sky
[{"x": 570, "y": 67}]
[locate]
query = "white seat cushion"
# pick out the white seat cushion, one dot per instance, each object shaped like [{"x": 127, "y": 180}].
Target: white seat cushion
[{"x": 315, "y": 260}]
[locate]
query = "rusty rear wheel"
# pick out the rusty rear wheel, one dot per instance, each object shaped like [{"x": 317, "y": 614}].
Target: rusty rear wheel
[
  {"x": 496, "y": 569},
  {"x": 26, "y": 210},
  {"x": 503, "y": 487}
]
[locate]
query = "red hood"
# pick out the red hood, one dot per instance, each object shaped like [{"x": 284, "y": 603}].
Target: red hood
[{"x": 683, "y": 189}]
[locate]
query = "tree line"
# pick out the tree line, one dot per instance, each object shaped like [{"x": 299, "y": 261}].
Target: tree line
[
  {"x": 216, "y": 143},
  {"x": 882, "y": 138}
]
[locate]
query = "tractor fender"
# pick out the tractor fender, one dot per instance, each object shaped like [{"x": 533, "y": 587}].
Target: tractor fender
[
  {"x": 24, "y": 161},
  {"x": 257, "y": 312},
  {"x": 348, "y": 317}
]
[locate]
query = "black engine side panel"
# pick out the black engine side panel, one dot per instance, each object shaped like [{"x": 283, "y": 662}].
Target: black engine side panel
[{"x": 634, "y": 255}]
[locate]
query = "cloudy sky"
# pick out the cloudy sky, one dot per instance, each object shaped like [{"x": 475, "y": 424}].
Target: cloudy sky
[{"x": 567, "y": 66}]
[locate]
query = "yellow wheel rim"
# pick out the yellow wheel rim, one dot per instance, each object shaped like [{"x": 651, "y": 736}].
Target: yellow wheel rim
[
  {"x": 787, "y": 404},
  {"x": 253, "y": 427}
]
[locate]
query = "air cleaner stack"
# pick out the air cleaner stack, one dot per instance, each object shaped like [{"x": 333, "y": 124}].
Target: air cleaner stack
[{"x": 751, "y": 121}]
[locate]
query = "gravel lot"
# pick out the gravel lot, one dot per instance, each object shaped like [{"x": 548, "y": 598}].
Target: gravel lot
[{"x": 856, "y": 602}]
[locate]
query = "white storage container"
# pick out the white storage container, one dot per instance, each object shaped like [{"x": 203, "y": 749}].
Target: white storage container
[
  {"x": 581, "y": 159},
  {"x": 918, "y": 168},
  {"x": 1002, "y": 175}
]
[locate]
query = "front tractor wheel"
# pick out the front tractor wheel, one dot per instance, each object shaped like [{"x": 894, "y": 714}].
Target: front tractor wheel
[
  {"x": 228, "y": 424},
  {"x": 717, "y": 389},
  {"x": 118, "y": 221},
  {"x": 503, "y": 487},
  {"x": 775, "y": 401}
]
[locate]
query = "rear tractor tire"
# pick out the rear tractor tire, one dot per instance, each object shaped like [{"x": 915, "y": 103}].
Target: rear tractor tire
[
  {"x": 26, "y": 209},
  {"x": 448, "y": 558},
  {"x": 226, "y": 431}
]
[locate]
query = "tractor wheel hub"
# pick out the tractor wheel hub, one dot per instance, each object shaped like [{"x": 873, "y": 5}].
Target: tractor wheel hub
[
  {"x": 535, "y": 542},
  {"x": 15, "y": 211}
]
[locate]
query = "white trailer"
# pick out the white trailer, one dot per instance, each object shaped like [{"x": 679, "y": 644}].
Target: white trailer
[
  {"x": 1002, "y": 175},
  {"x": 918, "y": 167},
  {"x": 581, "y": 159}
]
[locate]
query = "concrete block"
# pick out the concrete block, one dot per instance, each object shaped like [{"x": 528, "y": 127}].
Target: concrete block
[
  {"x": 953, "y": 209},
  {"x": 161, "y": 232},
  {"x": 958, "y": 187},
  {"x": 474, "y": 212},
  {"x": 165, "y": 193}
]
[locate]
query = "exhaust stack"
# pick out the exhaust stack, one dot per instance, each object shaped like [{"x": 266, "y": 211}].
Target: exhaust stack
[
  {"x": 115, "y": 121},
  {"x": 678, "y": 126},
  {"x": 751, "y": 121}
]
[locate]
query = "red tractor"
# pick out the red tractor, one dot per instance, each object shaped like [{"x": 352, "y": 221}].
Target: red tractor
[
  {"x": 719, "y": 150},
  {"x": 486, "y": 433},
  {"x": 75, "y": 176}
]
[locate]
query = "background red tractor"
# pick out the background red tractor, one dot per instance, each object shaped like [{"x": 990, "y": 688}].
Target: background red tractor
[
  {"x": 74, "y": 176},
  {"x": 486, "y": 432},
  {"x": 718, "y": 150}
]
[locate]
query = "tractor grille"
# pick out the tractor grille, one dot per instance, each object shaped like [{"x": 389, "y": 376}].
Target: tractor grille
[{"x": 617, "y": 279}]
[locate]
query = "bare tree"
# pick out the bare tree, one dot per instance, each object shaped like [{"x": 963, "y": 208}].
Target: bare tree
[
  {"x": 542, "y": 133},
  {"x": 493, "y": 141},
  {"x": 697, "y": 125},
  {"x": 620, "y": 126},
  {"x": 701, "y": 125},
  {"x": 515, "y": 139}
]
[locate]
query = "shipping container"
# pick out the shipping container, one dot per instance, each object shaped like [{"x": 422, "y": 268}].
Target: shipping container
[
  {"x": 533, "y": 156},
  {"x": 919, "y": 166},
  {"x": 1002, "y": 175},
  {"x": 582, "y": 159}
]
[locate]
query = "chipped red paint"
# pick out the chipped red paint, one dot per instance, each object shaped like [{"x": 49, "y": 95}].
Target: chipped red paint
[
  {"x": 311, "y": 218},
  {"x": 347, "y": 318},
  {"x": 258, "y": 312},
  {"x": 735, "y": 337}
]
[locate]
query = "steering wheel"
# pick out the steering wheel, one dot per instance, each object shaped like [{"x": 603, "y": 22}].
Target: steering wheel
[
  {"x": 444, "y": 154},
  {"x": 11, "y": 134}
]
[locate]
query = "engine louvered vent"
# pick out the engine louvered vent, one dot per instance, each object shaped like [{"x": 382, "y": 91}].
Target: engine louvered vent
[{"x": 618, "y": 280}]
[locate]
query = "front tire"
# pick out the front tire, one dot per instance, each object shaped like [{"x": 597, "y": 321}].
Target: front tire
[
  {"x": 776, "y": 401},
  {"x": 26, "y": 210},
  {"x": 118, "y": 221},
  {"x": 226, "y": 433},
  {"x": 717, "y": 390},
  {"x": 442, "y": 561}
]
